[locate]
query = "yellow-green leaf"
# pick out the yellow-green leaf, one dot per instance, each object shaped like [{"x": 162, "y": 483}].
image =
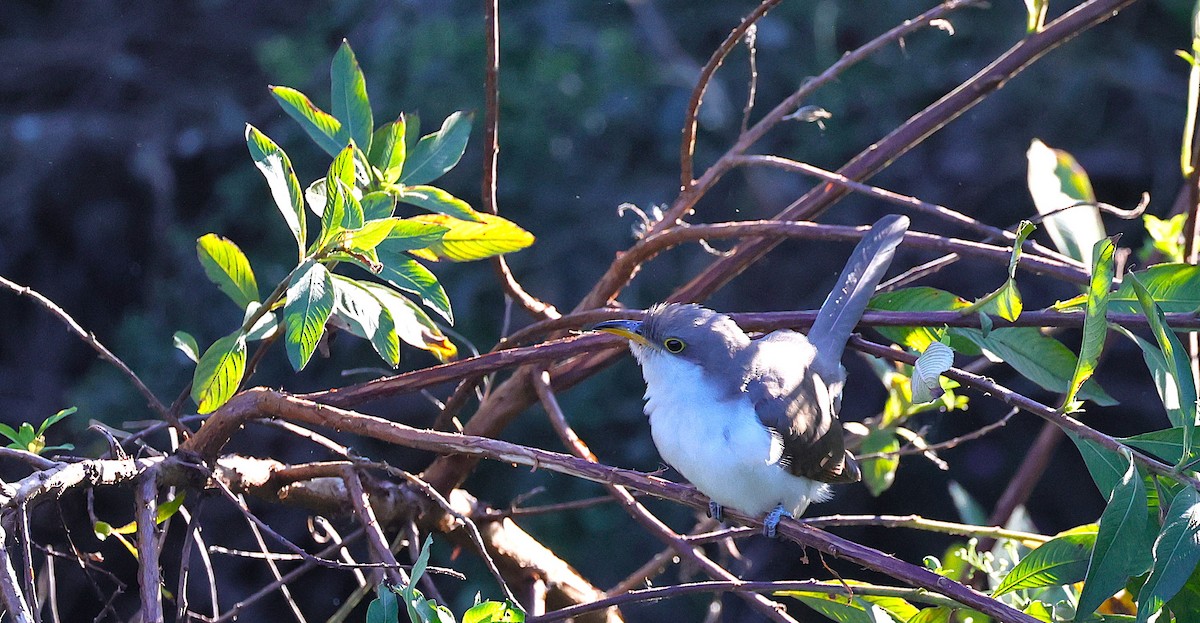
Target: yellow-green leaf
[
  {"x": 1056, "y": 182},
  {"x": 1095, "y": 326},
  {"x": 276, "y": 167},
  {"x": 219, "y": 372},
  {"x": 467, "y": 240},
  {"x": 321, "y": 127},
  {"x": 309, "y": 303},
  {"x": 227, "y": 266}
]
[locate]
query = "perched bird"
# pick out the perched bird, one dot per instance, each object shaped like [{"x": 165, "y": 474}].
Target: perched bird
[{"x": 753, "y": 423}]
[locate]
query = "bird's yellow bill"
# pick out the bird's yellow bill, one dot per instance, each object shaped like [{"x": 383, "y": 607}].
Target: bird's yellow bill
[{"x": 628, "y": 329}]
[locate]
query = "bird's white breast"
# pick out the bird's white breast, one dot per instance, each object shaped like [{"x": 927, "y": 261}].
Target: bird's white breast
[{"x": 716, "y": 441}]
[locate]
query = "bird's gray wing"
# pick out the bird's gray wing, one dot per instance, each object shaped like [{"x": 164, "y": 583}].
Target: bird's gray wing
[{"x": 799, "y": 408}]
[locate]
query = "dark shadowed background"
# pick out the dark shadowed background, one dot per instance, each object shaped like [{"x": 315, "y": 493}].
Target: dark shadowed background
[{"x": 121, "y": 142}]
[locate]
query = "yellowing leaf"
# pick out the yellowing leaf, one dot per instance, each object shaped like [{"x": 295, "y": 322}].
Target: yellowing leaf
[{"x": 466, "y": 240}]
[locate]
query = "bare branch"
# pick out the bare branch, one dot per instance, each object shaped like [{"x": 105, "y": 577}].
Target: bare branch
[{"x": 149, "y": 582}]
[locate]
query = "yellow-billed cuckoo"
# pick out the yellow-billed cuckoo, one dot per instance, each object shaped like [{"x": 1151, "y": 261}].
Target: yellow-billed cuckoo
[{"x": 753, "y": 423}]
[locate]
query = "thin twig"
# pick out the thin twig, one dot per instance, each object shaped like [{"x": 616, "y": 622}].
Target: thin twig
[
  {"x": 366, "y": 517},
  {"x": 90, "y": 339},
  {"x": 13, "y": 597},
  {"x": 284, "y": 591},
  {"x": 942, "y": 445}
]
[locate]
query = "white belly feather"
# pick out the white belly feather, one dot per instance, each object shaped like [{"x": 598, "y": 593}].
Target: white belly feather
[{"x": 717, "y": 442}]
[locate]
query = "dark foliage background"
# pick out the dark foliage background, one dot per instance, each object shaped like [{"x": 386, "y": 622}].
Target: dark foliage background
[{"x": 121, "y": 142}]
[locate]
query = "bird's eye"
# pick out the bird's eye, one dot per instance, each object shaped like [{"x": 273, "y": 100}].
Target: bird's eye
[{"x": 673, "y": 345}]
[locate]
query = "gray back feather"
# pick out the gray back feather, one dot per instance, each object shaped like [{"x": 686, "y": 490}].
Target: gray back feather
[{"x": 846, "y": 302}]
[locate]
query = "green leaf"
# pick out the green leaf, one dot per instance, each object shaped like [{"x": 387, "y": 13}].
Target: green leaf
[
  {"x": 186, "y": 344},
  {"x": 437, "y": 153},
  {"x": 1095, "y": 325},
  {"x": 1176, "y": 553},
  {"x": 1040, "y": 611},
  {"x": 1106, "y": 467},
  {"x": 54, "y": 419},
  {"x": 281, "y": 179},
  {"x": 968, "y": 509},
  {"x": 413, "y": 326},
  {"x": 1165, "y": 236},
  {"x": 939, "y": 614},
  {"x": 320, "y": 126},
  {"x": 349, "y": 96},
  {"x": 1166, "y": 444},
  {"x": 365, "y": 316},
  {"x": 408, "y": 234},
  {"x": 466, "y": 240},
  {"x": 385, "y": 608},
  {"x": 263, "y": 328},
  {"x": 1180, "y": 382},
  {"x": 219, "y": 372},
  {"x": 367, "y": 237},
  {"x": 1038, "y": 357},
  {"x": 388, "y": 151},
  {"x": 1174, "y": 287},
  {"x": 1060, "y": 561},
  {"x": 1023, "y": 231},
  {"x": 1164, "y": 382},
  {"x": 12, "y": 436},
  {"x": 1186, "y": 603},
  {"x": 410, "y": 276},
  {"x": 437, "y": 200},
  {"x": 842, "y": 608},
  {"x": 227, "y": 266},
  {"x": 377, "y": 205},
  {"x": 921, "y": 299},
  {"x": 309, "y": 303},
  {"x": 1119, "y": 552},
  {"x": 926, "y": 384},
  {"x": 1056, "y": 181},
  {"x": 493, "y": 612},
  {"x": 167, "y": 509},
  {"x": 879, "y": 473}
]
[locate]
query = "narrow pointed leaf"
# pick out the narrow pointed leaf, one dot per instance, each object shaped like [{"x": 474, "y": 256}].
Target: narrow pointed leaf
[
  {"x": 1036, "y": 10},
  {"x": 1179, "y": 368},
  {"x": 467, "y": 240},
  {"x": 388, "y": 151},
  {"x": 219, "y": 372},
  {"x": 1038, "y": 357},
  {"x": 228, "y": 268},
  {"x": 1106, "y": 467},
  {"x": 1059, "y": 561},
  {"x": 413, "y": 325},
  {"x": 878, "y": 474},
  {"x": 409, "y": 234},
  {"x": 437, "y": 200},
  {"x": 309, "y": 303},
  {"x": 1023, "y": 231},
  {"x": 1095, "y": 325},
  {"x": 365, "y": 316},
  {"x": 349, "y": 96},
  {"x": 1160, "y": 371},
  {"x": 1166, "y": 444},
  {"x": 921, "y": 299},
  {"x": 1176, "y": 553},
  {"x": 841, "y": 608},
  {"x": 276, "y": 167},
  {"x": 320, "y": 126},
  {"x": 1056, "y": 181},
  {"x": 437, "y": 153},
  {"x": 368, "y": 236},
  {"x": 1120, "y": 552},
  {"x": 1175, "y": 288},
  {"x": 408, "y": 275}
]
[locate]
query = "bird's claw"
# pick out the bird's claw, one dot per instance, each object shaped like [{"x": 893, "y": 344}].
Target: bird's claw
[
  {"x": 715, "y": 511},
  {"x": 771, "y": 521}
]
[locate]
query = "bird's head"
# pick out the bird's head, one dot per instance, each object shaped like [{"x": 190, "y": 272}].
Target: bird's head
[{"x": 685, "y": 331}]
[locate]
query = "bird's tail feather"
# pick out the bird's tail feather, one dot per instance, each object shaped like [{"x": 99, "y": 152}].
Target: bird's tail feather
[{"x": 845, "y": 305}]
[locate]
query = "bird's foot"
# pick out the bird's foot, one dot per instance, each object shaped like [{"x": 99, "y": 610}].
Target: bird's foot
[
  {"x": 715, "y": 511},
  {"x": 771, "y": 521}
]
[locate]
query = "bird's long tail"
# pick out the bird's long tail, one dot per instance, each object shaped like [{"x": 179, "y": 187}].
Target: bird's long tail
[{"x": 844, "y": 307}]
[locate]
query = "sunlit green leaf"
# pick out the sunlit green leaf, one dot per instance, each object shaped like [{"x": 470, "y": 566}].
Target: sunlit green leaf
[
  {"x": 320, "y": 126},
  {"x": 1059, "y": 561},
  {"x": 1175, "y": 288},
  {"x": 1056, "y": 181},
  {"x": 408, "y": 275},
  {"x": 369, "y": 235},
  {"x": 1038, "y": 357},
  {"x": 413, "y": 325},
  {"x": 842, "y": 608},
  {"x": 437, "y": 200},
  {"x": 388, "y": 151},
  {"x": 1166, "y": 444},
  {"x": 309, "y": 303},
  {"x": 276, "y": 167},
  {"x": 167, "y": 509},
  {"x": 940, "y": 614},
  {"x": 219, "y": 372},
  {"x": 922, "y": 299},
  {"x": 349, "y": 96},
  {"x": 365, "y": 316},
  {"x": 377, "y": 205},
  {"x": 1036, "y": 10},
  {"x": 409, "y": 234},
  {"x": 54, "y": 419},
  {"x": 1179, "y": 369},
  {"x": 228, "y": 268},
  {"x": 1095, "y": 326},
  {"x": 437, "y": 153},
  {"x": 467, "y": 240},
  {"x": 1165, "y": 236},
  {"x": 1119, "y": 552},
  {"x": 1176, "y": 553},
  {"x": 493, "y": 612},
  {"x": 263, "y": 328}
]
